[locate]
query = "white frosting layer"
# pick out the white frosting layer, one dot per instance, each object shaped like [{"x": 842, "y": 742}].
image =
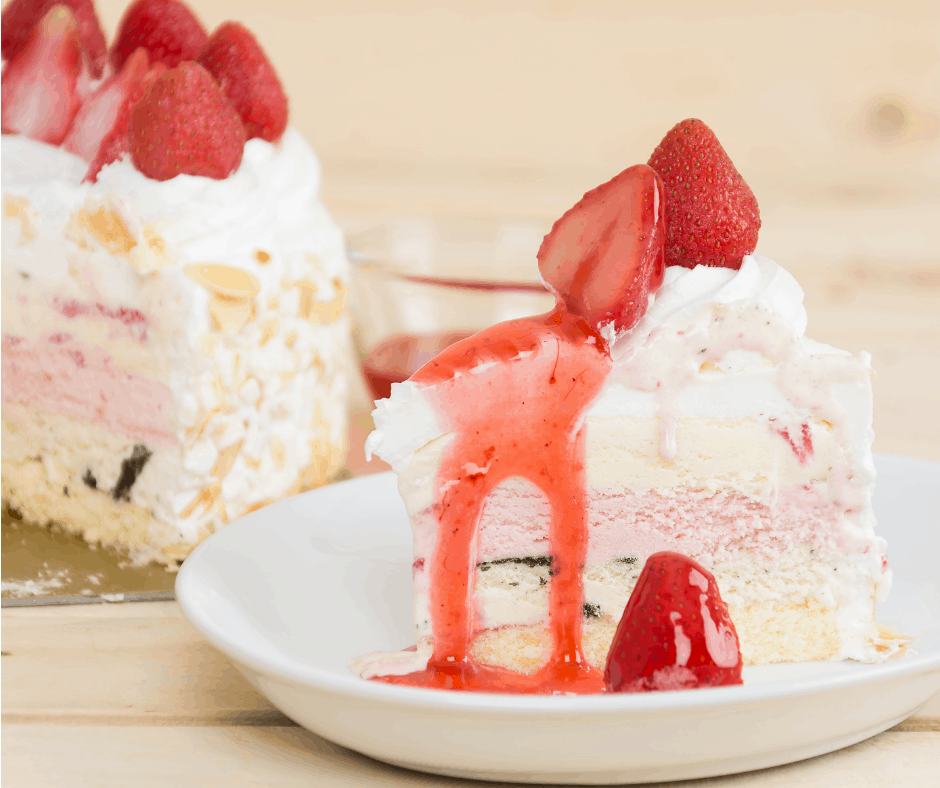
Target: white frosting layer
[{"x": 270, "y": 383}]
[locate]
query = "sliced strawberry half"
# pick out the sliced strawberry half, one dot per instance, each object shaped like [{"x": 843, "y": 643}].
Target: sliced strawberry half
[
  {"x": 712, "y": 215},
  {"x": 604, "y": 257},
  {"x": 106, "y": 108},
  {"x": 242, "y": 69},
  {"x": 40, "y": 97},
  {"x": 20, "y": 17},
  {"x": 675, "y": 632},
  {"x": 167, "y": 29},
  {"x": 184, "y": 125},
  {"x": 116, "y": 142}
]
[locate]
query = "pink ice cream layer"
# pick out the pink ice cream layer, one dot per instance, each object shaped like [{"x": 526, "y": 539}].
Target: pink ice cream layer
[
  {"x": 60, "y": 374},
  {"x": 712, "y": 527}
]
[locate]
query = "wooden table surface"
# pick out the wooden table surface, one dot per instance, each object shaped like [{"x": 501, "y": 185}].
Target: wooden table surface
[
  {"x": 831, "y": 110},
  {"x": 119, "y": 695}
]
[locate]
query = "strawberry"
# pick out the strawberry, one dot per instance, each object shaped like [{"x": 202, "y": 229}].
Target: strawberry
[
  {"x": 185, "y": 125},
  {"x": 21, "y": 16},
  {"x": 116, "y": 142},
  {"x": 242, "y": 69},
  {"x": 604, "y": 257},
  {"x": 712, "y": 216},
  {"x": 106, "y": 108},
  {"x": 167, "y": 29},
  {"x": 675, "y": 632},
  {"x": 39, "y": 85}
]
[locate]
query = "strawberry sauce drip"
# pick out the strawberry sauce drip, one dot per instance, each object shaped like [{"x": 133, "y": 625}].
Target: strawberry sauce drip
[{"x": 522, "y": 416}]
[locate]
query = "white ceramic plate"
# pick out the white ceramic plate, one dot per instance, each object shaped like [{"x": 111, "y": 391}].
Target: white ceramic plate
[{"x": 294, "y": 591}]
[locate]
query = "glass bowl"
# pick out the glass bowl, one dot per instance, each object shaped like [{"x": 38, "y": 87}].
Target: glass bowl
[{"x": 422, "y": 284}]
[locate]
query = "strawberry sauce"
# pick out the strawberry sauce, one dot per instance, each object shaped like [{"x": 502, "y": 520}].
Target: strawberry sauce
[
  {"x": 399, "y": 357},
  {"x": 523, "y": 418},
  {"x": 802, "y": 449}
]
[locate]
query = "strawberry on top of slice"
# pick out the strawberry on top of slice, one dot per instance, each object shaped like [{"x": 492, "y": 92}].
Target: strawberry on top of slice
[
  {"x": 20, "y": 18},
  {"x": 184, "y": 125},
  {"x": 167, "y": 29},
  {"x": 39, "y": 95},
  {"x": 235, "y": 58},
  {"x": 115, "y": 141},
  {"x": 712, "y": 216},
  {"x": 604, "y": 257},
  {"x": 675, "y": 632}
]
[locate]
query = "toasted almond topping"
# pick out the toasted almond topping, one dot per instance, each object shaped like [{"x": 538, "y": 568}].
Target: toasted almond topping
[
  {"x": 109, "y": 229},
  {"x": 224, "y": 281}
]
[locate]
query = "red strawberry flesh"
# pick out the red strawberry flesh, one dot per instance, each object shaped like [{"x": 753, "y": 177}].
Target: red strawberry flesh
[
  {"x": 184, "y": 125},
  {"x": 604, "y": 257},
  {"x": 106, "y": 108},
  {"x": 116, "y": 143},
  {"x": 39, "y": 94},
  {"x": 712, "y": 216},
  {"x": 235, "y": 58},
  {"x": 675, "y": 632},
  {"x": 20, "y": 17},
  {"x": 167, "y": 29}
]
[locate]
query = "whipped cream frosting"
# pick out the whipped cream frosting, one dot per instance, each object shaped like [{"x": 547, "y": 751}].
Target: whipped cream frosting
[
  {"x": 270, "y": 203},
  {"x": 686, "y": 293},
  {"x": 272, "y": 385}
]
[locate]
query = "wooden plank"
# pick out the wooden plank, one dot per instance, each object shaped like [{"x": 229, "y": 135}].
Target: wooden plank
[
  {"x": 78, "y": 666},
  {"x": 136, "y": 664},
  {"x": 36, "y": 756}
]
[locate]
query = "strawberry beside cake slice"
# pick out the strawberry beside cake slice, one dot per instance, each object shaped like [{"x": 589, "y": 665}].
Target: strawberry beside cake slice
[
  {"x": 679, "y": 408},
  {"x": 175, "y": 342}
]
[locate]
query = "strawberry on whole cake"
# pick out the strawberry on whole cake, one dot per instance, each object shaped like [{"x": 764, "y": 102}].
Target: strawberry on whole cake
[
  {"x": 669, "y": 403},
  {"x": 175, "y": 345}
]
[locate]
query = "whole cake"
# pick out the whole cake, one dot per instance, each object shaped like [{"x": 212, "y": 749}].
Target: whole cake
[
  {"x": 670, "y": 402},
  {"x": 175, "y": 345}
]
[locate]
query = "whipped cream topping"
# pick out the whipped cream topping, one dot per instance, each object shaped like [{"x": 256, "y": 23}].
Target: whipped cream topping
[
  {"x": 266, "y": 204},
  {"x": 404, "y": 423},
  {"x": 687, "y": 293}
]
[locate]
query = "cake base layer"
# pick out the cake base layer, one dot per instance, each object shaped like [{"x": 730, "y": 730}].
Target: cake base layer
[
  {"x": 797, "y": 606},
  {"x": 103, "y": 486},
  {"x": 796, "y": 632},
  {"x": 59, "y": 468}
]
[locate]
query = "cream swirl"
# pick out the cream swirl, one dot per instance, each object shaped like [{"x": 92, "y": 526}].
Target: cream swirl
[
  {"x": 687, "y": 296},
  {"x": 264, "y": 204},
  {"x": 270, "y": 202}
]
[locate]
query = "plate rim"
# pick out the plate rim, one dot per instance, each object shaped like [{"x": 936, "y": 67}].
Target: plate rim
[{"x": 611, "y": 703}]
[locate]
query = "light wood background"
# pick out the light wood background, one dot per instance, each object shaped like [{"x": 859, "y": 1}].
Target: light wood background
[{"x": 830, "y": 109}]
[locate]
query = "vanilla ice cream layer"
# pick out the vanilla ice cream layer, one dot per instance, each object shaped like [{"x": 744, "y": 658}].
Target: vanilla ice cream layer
[{"x": 222, "y": 301}]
